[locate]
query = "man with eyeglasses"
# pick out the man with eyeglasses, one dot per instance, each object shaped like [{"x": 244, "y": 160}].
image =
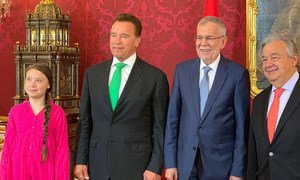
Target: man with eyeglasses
[{"x": 208, "y": 112}]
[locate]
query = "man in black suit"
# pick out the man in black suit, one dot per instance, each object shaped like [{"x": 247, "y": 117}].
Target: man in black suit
[
  {"x": 122, "y": 140},
  {"x": 274, "y": 149}
]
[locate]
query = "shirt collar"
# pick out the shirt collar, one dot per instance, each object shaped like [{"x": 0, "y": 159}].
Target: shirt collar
[
  {"x": 290, "y": 84},
  {"x": 213, "y": 65},
  {"x": 129, "y": 62}
]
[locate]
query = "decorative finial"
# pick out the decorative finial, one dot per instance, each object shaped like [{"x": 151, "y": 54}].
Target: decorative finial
[{"x": 48, "y": 1}]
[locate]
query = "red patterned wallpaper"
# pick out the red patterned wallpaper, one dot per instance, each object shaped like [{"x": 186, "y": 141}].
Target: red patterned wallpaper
[{"x": 167, "y": 38}]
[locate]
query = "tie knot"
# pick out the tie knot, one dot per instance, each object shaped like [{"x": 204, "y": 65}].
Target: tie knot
[
  {"x": 120, "y": 65},
  {"x": 278, "y": 92},
  {"x": 206, "y": 69}
]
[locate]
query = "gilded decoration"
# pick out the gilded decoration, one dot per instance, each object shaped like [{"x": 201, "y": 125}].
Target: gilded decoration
[
  {"x": 5, "y": 6},
  {"x": 47, "y": 9},
  {"x": 251, "y": 12},
  {"x": 3, "y": 121},
  {"x": 48, "y": 1}
]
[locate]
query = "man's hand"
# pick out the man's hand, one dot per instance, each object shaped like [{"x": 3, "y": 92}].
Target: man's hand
[
  {"x": 148, "y": 175},
  {"x": 171, "y": 174},
  {"x": 235, "y": 178},
  {"x": 81, "y": 172}
]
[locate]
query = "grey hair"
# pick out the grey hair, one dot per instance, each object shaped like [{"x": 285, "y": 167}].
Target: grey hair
[
  {"x": 290, "y": 44},
  {"x": 216, "y": 20}
]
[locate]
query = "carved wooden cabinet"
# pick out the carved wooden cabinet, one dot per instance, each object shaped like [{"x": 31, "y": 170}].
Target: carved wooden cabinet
[{"x": 3, "y": 121}]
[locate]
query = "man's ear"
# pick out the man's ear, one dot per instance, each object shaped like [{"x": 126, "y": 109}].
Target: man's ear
[
  {"x": 137, "y": 42},
  {"x": 295, "y": 60},
  {"x": 224, "y": 41}
]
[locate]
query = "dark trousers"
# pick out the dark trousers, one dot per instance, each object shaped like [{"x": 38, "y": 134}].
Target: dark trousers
[{"x": 197, "y": 170}]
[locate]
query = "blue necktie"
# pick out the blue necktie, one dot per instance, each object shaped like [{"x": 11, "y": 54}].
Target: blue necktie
[{"x": 204, "y": 88}]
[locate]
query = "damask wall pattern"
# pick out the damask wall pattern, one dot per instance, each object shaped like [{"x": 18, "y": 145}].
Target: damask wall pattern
[{"x": 167, "y": 38}]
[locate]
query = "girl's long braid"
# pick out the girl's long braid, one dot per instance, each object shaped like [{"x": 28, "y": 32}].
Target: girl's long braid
[{"x": 46, "y": 123}]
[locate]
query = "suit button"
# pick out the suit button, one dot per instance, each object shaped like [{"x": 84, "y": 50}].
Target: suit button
[
  {"x": 200, "y": 128},
  {"x": 194, "y": 148},
  {"x": 271, "y": 154}
]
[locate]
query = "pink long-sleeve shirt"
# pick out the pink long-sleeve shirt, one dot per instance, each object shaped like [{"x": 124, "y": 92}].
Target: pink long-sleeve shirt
[{"x": 22, "y": 152}]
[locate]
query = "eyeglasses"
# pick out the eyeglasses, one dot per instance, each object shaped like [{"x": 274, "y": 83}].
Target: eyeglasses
[{"x": 208, "y": 39}]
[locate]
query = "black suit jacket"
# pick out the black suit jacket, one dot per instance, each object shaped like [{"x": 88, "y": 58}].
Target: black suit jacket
[
  {"x": 280, "y": 159},
  {"x": 124, "y": 143}
]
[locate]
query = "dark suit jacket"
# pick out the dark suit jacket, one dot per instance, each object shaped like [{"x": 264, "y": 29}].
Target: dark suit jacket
[
  {"x": 220, "y": 133},
  {"x": 124, "y": 143},
  {"x": 280, "y": 159}
]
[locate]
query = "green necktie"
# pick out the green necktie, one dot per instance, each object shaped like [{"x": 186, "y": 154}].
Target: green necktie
[{"x": 114, "y": 86}]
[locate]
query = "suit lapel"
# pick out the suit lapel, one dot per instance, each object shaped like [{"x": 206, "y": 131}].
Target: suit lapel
[
  {"x": 220, "y": 78},
  {"x": 104, "y": 80},
  {"x": 135, "y": 73},
  {"x": 265, "y": 103},
  {"x": 290, "y": 107},
  {"x": 194, "y": 86}
]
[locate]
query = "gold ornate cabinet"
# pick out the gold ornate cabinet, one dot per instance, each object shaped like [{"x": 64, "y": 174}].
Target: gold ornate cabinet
[
  {"x": 48, "y": 41},
  {"x": 3, "y": 121}
]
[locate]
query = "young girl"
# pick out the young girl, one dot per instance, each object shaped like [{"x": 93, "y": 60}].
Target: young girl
[{"x": 36, "y": 140}]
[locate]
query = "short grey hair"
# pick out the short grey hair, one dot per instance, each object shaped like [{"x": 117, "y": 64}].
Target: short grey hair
[
  {"x": 216, "y": 20},
  {"x": 290, "y": 44}
]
